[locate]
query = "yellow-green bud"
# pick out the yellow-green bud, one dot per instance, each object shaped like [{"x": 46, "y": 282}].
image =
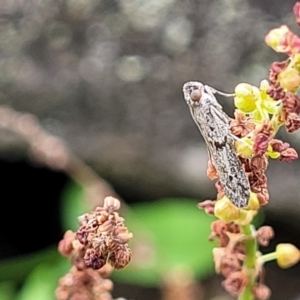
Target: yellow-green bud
[
  {"x": 225, "y": 210},
  {"x": 287, "y": 255},
  {"x": 245, "y": 97},
  {"x": 289, "y": 79},
  {"x": 244, "y": 147},
  {"x": 253, "y": 203},
  {"x": 274, "y": 37}
]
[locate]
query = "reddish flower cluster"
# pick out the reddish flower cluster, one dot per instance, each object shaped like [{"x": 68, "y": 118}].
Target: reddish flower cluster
[
  {"x": 256, "y": 165},
  {"x": 102, "y": 238},
  {"x": 284, "y": 76},
  {"x": 290, "y": 102},
  {"x": 287, "y": 154},
  {"x": 259, "y": 115},
  {"x": 263, "y": 137},
  {"x": 229, "y": 258}
]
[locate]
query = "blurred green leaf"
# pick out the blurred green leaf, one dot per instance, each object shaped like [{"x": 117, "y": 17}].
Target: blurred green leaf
[
  {"x": 7, "y": 290},
  {"x": 18, "y": 268},
  {"x": 43, "y": 280},
  {"x": 40, "y": 284},
  {"x": 177, "y": 235},
  {"x": 72, "y": 206}
]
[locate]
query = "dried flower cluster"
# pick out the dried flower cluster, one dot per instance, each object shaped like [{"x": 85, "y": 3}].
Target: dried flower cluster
[
  {"x": 260, "y": 112},
  {"x": 99, "y": 244},
  {"x": 104, "y": 236}
]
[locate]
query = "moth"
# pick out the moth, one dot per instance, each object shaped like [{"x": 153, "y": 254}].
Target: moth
[{"x": 213, "y": 124}]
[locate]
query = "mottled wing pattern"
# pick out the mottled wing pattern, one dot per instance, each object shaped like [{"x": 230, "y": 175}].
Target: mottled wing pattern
[
  {"x": 231, "y": 174},
  {"x": 213, "y": 124}
]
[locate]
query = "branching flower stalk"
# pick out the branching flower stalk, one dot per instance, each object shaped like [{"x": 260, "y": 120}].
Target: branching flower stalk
[{"x": 260, "y": 113}]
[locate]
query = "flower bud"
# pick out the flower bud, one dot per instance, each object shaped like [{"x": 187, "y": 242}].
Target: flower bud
[
  {"x": 111, "y": 204},
  {"x": 264, "y": 235},
  {"x": 275, "y": 37},
  {"x": 244, "y": 147},
  {"x": 235, "y": 283},
  {"x": 225, "y": 210},
  {"x": 287, "y": 255},
  {"x": 261, "y": 292},
  {"x": 261, "y": 143},
  {"x": 253, "y": 203},
  {"x": 245, "y": 97},
  {"x": 272, "y": 153},
  {"x": 289, "y": 79}
]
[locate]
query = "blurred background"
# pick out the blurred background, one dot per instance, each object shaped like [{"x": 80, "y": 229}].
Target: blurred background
[{"x": 93, "y": 88}]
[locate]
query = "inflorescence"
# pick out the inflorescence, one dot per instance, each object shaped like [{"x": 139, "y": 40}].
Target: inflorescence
[
  {"x": 260, "y": 112},
  {"x": 98, "y": 246}
]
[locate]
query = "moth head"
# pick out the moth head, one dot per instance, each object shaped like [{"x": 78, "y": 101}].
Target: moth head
[{"x": 193, "y": 92}]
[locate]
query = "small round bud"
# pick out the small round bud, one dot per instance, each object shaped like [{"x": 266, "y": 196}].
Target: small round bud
[
  {"x": 235, "y": 283},
  {"x": 65, "y": 246},
  {"x": 111, "y": 204},
  {"x": 244, "y": 147},
  {"x": 261, "y": 292},
  {"x": 289, "y": 79},
  {"x": 225, "y": 210},
  {"x": 275, "y": 37},
  {"x": 287, "y": 255},
  {"x": 245, "y": 97},
  {"x": 264, "y": 234},
  {"x": 196, "y": 95}
]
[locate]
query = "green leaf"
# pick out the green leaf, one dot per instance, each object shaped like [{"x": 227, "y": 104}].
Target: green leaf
[
  {"x": 43, "y": 280},
  {"x": 177, "y": 236},
  {"x": 7, "y": 290},
  {"x": 18, "y": 268},
  {"x": 72, "y": 206},
  {"x": 39, "y": 285}
]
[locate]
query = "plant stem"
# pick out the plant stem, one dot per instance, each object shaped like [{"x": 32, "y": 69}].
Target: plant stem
[
  {"x": 268, "y": 257},
  {"x": 250, "y": 262}
]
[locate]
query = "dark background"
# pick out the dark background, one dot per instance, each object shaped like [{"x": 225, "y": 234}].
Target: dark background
[{"x": 106, "y": 77}]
